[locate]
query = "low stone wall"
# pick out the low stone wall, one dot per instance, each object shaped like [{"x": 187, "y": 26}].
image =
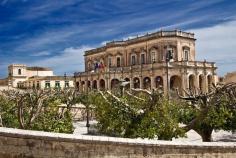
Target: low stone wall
[{"x": 15, "y": 143}]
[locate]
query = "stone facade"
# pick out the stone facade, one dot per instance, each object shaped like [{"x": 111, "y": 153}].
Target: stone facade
[
  {"x": 230, "y": 77},
  {"x": 48, "y": 82},
  {"x": 21, "y": 76},
  {"x": 4, "y": 82},
  {"x": 15, "y": 143},
  {"x": 18, "y": 73},
  {"x": 143, "y": 62}
]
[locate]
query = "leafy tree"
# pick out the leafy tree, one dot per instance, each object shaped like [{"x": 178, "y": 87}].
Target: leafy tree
[
  {"x": 54, "y": 119},
  {"x": 142, "y": 113},
  {"x": 205, "y": 112},
  {"x": 8, "y": 113},
  {"x": 34, "y": 109},
  {"x": 68, "y": 96}
]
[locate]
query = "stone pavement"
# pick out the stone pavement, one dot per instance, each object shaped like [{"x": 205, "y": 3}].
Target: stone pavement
[{"x": 192, "y": 136}]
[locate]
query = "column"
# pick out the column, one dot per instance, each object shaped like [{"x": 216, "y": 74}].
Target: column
[
  {"x": 196, "y": 84},
  {"x": 141, "y": 82},
  {"x": 205, "y": 85},
  {"x": 106, "y": 84},
  {"x": 152, "y": 82},
  {"x": 166, "y": 88},
  {"x": 80, "y": 86},
  {"x": 185, "y": 84},
  {"x": 131, "y": 83},
  {"x": 109, "y": 84},
  {"x": 98, "y": 84},
  {"x": 86, "y": 86}
]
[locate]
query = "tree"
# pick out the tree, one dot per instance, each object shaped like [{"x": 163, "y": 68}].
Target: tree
[
  {"x": 205, "y": 112},
  {"x": 34, "y": 109},
  {"x": 139, "y": 113},
  {"x": 29, "y": 104},
  {"x": 8, "y": 114},
  {"x": 68, "y": 96}
]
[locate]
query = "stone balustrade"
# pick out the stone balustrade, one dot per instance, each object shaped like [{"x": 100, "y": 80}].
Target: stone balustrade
[{"x": 147, "y": 67}]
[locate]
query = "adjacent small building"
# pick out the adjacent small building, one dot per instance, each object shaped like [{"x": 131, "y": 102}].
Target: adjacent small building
[
  {"x": 230, "y": 77},
  {"x": 21, "y": 76},
  {"x": 19, "y": 73},
  {"x": 46, "y": 82}
]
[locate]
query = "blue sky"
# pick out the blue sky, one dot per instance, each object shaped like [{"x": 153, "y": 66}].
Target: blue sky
[{"x": 55, "y": 33}]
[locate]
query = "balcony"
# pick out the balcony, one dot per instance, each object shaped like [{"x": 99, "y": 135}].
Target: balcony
[{"x": 148, "y": 67}]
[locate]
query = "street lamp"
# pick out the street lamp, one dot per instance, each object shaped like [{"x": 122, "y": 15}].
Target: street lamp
[
  {"x": 169, "y": 58},
  {"x": 87, "y": 105},
  {"x": 167, "y": 76},
  {"x": 75, "y": 84}
]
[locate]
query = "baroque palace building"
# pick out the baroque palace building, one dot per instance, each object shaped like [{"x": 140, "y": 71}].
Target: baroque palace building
[{"x": 147, "y": 62}]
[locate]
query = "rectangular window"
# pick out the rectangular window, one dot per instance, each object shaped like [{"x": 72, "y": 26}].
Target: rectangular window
[
  {"x": 142, "y": 58},
  {"x": 170, "y": 54},
  {"x": 109, "y": 62},
  {"x": 153, "y": 57},
  {"x": 57, "y": 84},
  {"x": 67, "y": 84},
  {"x": 118, "y": 62},
  {"x": 47, "y": 84},
  {"x": 133, "y": 60},
  {"x": 186, "y": 55}
]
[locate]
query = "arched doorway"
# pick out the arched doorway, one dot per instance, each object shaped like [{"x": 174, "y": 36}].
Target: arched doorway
[
  {"x": 115, "y": 83},
  {"x": 147, "y": 83},
  {"x": 175, "y": 82},
  {"x": 89, "y": 85},
  {"x": 128, "y": 85},
  {"x": 209, "y": 82},
  {"x": 201, "y": 82},
  {"x": 77, "y": 86},
  {"x": 94, "y": 86},
  {"x": 191, "y": 82},
  {"x": 102, "y": 84},
  {"x": 136, "y": 82},
  {"x": 83, "y": 85},
  {"x": 159, "y": 82}
]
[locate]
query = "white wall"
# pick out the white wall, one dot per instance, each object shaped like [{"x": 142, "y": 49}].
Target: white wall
[
  {"x": 52, "y": 84},
  {"x": 31, "y": 73}
]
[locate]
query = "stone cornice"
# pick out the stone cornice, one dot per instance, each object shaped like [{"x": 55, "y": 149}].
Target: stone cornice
[{"x": 160, "y": 34}]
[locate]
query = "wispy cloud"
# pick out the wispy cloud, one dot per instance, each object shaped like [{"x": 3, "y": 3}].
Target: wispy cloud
[
  {"x": 30, "y": 30},
  {"x": 3, "y": 2},
  {"x": 45, "y": 39},
  {"x": 43, "y": 8},
  {"x": 217, "y": 44},
  {"x": 42, "y": 53},
  {"x": 70, "y": 60}
]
